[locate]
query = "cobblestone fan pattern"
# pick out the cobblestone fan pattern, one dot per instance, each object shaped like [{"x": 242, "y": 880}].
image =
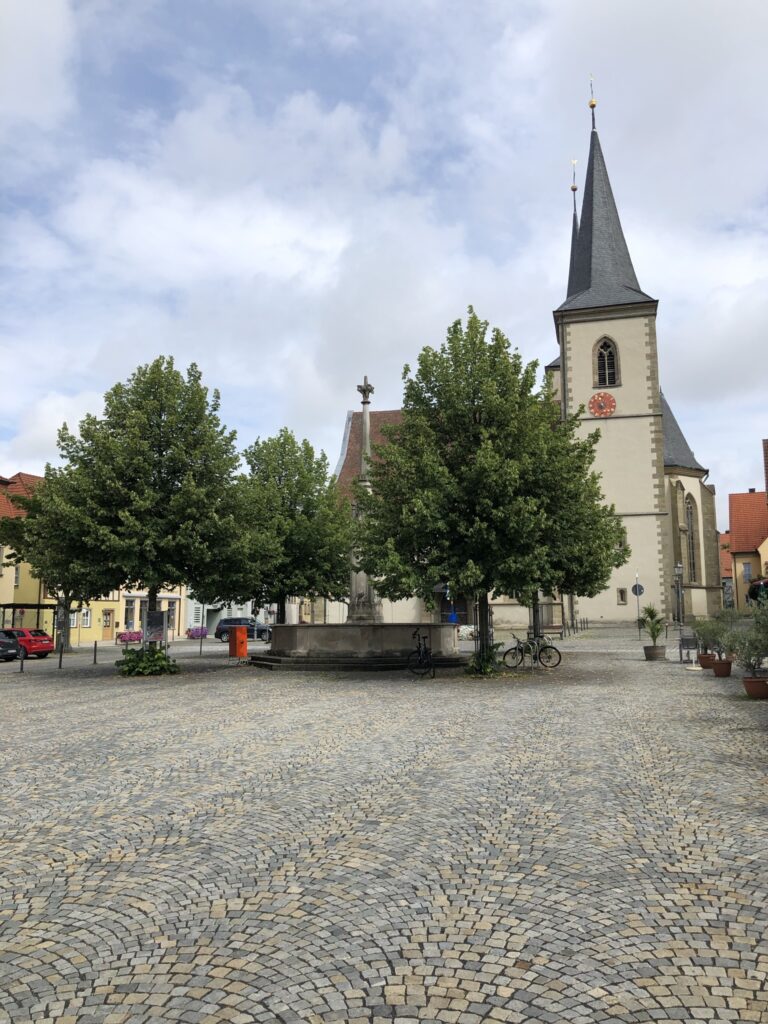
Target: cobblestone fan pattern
[{"x": 585, "y": 846}]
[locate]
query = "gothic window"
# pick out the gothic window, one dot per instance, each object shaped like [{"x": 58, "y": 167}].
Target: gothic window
[
  {"x": 692, "y": 537},
  {"x": 606, "y": 364}
]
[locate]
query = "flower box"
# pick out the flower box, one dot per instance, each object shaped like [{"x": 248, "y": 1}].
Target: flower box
[{"x": 130, "y": 636}]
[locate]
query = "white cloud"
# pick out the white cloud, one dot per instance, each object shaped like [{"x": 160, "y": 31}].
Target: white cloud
[
  {"x": 295, "y": 215},
  {"x": 141, "y": 231},
  {"x": 34, "y": 442},
  {"x": 36, "y": 50}
]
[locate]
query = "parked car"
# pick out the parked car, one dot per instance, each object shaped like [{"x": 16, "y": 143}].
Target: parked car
[
  {"x": 32, "y": 642},
  {"x": 9, "y": 645},
  {"x": 256, "y": 629}
]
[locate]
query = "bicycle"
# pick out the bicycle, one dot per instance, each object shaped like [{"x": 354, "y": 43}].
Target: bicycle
[
  {"x": 539, "y": 649},
  {"x": 420, "y": 661}
]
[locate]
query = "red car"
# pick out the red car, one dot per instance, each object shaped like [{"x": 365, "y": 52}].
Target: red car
[{"x": 32, "y": 641}]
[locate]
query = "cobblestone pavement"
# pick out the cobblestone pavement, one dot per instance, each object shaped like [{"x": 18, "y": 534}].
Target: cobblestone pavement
[{"x": 581, "y": 846}]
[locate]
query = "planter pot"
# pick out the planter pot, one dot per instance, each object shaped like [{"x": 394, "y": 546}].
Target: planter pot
[
  {"x": 756, "y": 687},
  {"x": 707, "y": 660},
  {"x": 657, "y": 652},
  {"x": 722, "y": 668}
]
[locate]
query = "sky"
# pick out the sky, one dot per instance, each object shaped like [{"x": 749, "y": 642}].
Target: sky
[{"x": 297, "y": 193}]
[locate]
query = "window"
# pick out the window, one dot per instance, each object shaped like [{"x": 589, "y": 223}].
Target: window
[
  {"x": 17, "y": 576},
  {"x": 85, "y": 618},
  {"x": 606, "y": 364},
  {"x": 73, "y": 620},
  {"x": 747, "y": 567},
  {"x": 130, "y": 606},
  {"x": 621, "y": 595},
  {"x": 691, "y": 526}
]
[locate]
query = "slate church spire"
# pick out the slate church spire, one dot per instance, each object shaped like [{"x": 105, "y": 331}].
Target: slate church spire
[{"x": 601, "y": 271}]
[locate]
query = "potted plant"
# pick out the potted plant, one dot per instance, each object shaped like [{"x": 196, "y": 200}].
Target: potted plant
[
  {"x": 654, "y": 626},
  {"x": 707, "y": 633},
  {"x": 750, "y": 647}
]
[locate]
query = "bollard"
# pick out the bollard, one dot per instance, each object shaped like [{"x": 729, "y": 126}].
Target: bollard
[
  {"x": 95, "y": 645},
  {"x": 21, "y": 660},
  {"x": 61, "y": 652}
]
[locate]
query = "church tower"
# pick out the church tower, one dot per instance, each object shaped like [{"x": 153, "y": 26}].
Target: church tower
[{"x": 606, "y": 330}]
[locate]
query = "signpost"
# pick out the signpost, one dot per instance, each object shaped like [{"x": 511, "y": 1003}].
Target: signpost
[
  {"x": 156, "y": 630},
  {"x": 637, "y": 590}
]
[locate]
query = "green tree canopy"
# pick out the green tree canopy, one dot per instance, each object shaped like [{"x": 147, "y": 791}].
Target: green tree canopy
[
  {"x": 157, "y": 471},
  {"x": 483, "y": 486},
  {"x": 295, "y": 511}
]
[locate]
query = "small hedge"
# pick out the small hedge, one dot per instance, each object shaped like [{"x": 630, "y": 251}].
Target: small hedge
[{"x": 146, "y": 663}]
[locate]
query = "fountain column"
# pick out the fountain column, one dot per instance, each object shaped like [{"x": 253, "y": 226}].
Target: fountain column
[{"x": 364, "y": 605}]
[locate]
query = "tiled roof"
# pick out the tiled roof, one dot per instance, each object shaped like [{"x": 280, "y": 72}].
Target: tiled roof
[
  {"x": 601, "y": 271},
  {"x": 748, "y": 514},
  {"x": 348, "y": 467},
  {"x": 19, "y": 483},
  {"x": 726, "y": 563},
  {"x": 677, "y": 451}
]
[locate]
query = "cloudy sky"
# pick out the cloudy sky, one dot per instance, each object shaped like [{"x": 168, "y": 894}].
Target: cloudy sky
[{"x": 295, "y": 193}]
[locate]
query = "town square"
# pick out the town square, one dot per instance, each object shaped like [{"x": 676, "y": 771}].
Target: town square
[
  {"x": 583, "y": 845},
  {"x": 383, "y": 512}
]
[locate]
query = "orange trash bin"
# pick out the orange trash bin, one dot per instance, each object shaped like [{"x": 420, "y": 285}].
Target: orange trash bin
[{"x": 238, "y": 642}]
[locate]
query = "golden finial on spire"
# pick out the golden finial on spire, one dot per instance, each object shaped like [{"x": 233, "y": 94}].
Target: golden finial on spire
[
  {"x": 592, "y": 101},
  {"x": 574, "y": 186}
]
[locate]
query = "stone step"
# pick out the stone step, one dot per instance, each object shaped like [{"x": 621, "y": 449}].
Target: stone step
[{"x": 382, "y": 663}]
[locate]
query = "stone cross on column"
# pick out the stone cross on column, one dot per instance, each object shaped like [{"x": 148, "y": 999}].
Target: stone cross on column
[
  {"x": 366, "y": 390},
  {"x": 364, "y": 605}
]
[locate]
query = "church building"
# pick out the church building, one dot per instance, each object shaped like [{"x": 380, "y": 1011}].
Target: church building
[{"x": 608, "y": 366}]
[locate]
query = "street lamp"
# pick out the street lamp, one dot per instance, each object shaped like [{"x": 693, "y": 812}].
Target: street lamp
[{"x": 678, "y": 570}]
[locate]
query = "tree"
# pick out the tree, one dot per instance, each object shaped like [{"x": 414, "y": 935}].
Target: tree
[
  {"x": 50, "y": 536},
  {"x": 483, "y": 486},
  {"x": 157, "y": 473},
  {"x": 296, "y": 512}
]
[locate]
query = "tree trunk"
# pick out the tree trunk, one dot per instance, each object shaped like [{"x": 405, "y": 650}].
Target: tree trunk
[
  {"x": 281, "y": 601},
  {"x": 536, "y": 617},
  {"x": 63, "y": 603},
  {"x": 152, "y": 593},
  {"x": 484, "y": 626}
]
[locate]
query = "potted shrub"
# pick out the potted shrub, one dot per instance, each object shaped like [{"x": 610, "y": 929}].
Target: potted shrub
[
  {"x": 707, "y": 633},
  {"x": 750, "y": 647},
  {"x": 654, "y": 626}
]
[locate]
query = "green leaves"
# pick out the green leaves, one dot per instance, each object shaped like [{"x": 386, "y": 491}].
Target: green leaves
[
  {"x": 295, "y": 514},
  {"x": 146, "y": 662},
  {"x": 482, "y": 486}
]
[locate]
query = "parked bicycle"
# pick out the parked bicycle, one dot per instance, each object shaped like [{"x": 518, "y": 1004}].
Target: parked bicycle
[
  {"x": 420, "y": 661},
  {"x": 538, "y": 649}
]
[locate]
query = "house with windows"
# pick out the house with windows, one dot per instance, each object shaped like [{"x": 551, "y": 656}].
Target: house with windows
[
  {"x": 25, "y": 600},
  {"x": 748, "y": 514}
]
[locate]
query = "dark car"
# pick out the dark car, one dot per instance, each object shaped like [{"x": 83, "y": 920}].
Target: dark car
[
  {"x": 257, "y": 630},
  {"x": 9, "y": 645},
  {"x": 32, "y": 641}
]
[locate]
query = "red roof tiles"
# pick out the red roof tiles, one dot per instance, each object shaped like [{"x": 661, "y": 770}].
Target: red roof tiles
[
  {"x": 19, "y": 483},
  {"x": 353, "y": 438},
  {"x": 726, "y": 562},
  {"x": 748, "y": 515}
]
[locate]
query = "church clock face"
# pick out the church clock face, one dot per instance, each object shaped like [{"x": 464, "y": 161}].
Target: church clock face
[{"x": 602, "y": 404}]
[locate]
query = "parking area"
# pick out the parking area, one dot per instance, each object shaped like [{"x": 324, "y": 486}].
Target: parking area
[{"x": 237, "y": 846}]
